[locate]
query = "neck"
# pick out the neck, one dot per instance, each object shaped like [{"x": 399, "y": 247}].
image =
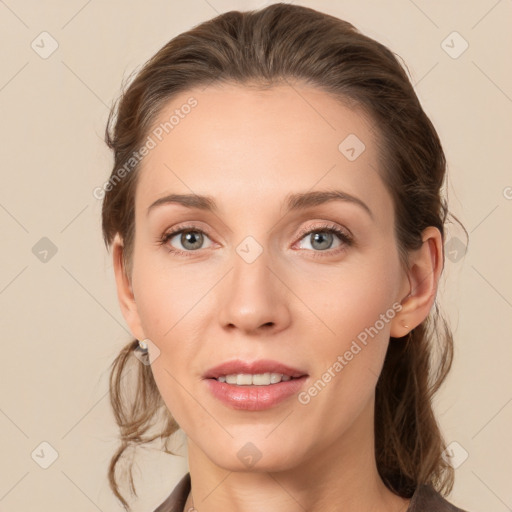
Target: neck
[{"x": 342, "y": 475}]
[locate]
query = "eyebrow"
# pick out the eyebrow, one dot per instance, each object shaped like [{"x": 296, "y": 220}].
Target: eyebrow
[{"x": 293, "y": 202}]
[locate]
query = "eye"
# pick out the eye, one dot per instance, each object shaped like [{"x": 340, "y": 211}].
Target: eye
[
  {"x": 190, "y": 238},
  {"x": 321, "y": 238}
]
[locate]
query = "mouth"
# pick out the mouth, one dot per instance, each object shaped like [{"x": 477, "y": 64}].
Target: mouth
[
  {"x": 263, "y": 372},
  {"x": 258, "y": 379},
  {"x": 255, "y": 386}
]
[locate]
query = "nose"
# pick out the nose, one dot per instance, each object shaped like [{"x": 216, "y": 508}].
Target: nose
[{"x": 253, "y": 298}]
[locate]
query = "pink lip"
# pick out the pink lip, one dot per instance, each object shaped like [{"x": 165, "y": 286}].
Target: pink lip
[
  {"x": 261, "y": 366},
  {"x": 253, "y": 398}
]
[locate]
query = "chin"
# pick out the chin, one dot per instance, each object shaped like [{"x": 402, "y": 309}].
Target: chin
[{"x": 257, "y": 457}]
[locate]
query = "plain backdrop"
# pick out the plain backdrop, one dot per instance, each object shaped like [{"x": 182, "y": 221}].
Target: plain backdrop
[{"x": 61, "y": 327}]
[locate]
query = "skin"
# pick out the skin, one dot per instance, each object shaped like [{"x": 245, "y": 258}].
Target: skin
[{"x": 249, "y": 149}]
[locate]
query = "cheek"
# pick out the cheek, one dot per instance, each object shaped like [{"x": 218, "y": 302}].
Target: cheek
[
  {"x": 179, "y": 396},
  {"x": 353, "y": 311},
  {"x": 164, "y": 293},
  {"x": 346, "y": 299}
]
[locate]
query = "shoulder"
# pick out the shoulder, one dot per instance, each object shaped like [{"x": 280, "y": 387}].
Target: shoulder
[
  {"x": 427, "y": 499},
  {"x": 176, "y": 500}
]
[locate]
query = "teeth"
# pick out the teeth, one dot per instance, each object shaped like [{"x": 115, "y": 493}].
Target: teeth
[{"x": 259, "y": 379}]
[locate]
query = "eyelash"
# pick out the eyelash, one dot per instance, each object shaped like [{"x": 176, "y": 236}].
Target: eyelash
[{"x": 343, "y": 235}]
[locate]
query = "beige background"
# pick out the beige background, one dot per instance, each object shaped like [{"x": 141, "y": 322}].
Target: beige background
[{"x": 60, "y": 322}]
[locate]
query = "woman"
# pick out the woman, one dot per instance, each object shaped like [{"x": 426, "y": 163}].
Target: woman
[{"x": 277, "y": 228}]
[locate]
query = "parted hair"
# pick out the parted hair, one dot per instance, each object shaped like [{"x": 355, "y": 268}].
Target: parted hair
[{"x": 285, "y": 43}]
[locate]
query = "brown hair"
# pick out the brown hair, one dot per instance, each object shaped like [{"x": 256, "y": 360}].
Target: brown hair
[{"x": 264, "y": 48}]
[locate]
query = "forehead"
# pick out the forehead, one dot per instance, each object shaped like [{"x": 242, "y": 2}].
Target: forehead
[{"x": 244, "y": 145}]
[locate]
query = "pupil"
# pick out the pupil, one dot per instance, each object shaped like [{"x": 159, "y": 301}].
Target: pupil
[
  {"x": 319, "y": 236},
  {"x": 189, "y": 238}
]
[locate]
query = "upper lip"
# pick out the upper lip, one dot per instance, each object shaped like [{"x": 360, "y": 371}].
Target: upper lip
[{"x": 237, "y": 366}]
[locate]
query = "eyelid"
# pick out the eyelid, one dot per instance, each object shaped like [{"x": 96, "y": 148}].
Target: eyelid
[{"x": 327, "y": 226}]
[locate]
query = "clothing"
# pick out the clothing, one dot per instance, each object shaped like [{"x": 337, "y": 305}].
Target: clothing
[
  {"x": 175, "y": 502},
  {"x": 424, "y": 499}
]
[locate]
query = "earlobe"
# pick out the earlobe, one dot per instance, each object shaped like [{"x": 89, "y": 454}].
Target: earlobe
[
  {"x": 426, "y": 265},
  {"x": 125, "y": 293}
]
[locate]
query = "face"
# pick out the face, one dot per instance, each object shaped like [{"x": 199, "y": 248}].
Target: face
[{"x": 312, "y": 284}]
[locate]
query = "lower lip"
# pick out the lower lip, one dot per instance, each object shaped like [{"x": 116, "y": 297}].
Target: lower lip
[{"x": 254, "y": 398}]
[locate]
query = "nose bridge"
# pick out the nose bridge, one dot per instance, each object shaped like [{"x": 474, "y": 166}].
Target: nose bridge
[{"x": 252, "y": 295}]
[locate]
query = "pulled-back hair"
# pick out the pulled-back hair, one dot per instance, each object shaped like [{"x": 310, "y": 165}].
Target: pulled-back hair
[{"x": 279, "y": 44}]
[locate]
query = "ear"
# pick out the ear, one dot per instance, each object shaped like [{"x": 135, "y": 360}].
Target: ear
[
  {"x": 124, "y": 290},
  {"x": 426, "y": 265}
]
